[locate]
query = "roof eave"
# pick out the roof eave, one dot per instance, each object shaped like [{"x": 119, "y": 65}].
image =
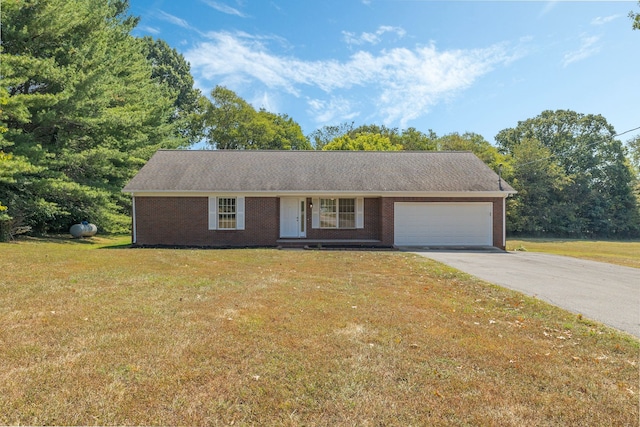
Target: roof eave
[{"x": 312, "y": 193}]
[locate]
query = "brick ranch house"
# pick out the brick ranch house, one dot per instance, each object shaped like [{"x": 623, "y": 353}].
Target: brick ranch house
[{"x": 250, "y": 198}]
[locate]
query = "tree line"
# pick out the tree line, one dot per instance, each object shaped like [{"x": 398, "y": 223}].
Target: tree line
[{"x": 84, "y": 104}]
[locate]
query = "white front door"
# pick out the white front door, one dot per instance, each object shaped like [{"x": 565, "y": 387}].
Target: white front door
[{"x": 293, "y": 217}]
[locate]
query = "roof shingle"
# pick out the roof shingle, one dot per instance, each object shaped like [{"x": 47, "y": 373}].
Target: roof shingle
[{"x": 314, "y": 171}]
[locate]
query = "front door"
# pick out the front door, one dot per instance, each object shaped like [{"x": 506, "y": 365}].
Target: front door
[{"x": 293, "y": 217}]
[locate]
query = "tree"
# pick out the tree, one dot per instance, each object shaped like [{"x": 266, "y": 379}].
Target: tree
[
  {"x": 392, "y": 134},
  {"x": 412, "y": 139},
  {"x": 633, "y": 147},
  {"x": 82, "y": 112},
  {"x": 475, "y": 143},
  {"x": 226, "y": 120},
  {"x": 15, "y": 174},
  {"x": 169, "y": 68},
  {"x": 636, "y": 19},
  {"x": 287, "y": 134},
  {"x": 595, "y": 181},
  {"x": 326, "y": 134},
  {"x": 634, "y": 154},
  {"x": 362, "y": 142},
  {"x": 539, "y": 207},
  {"x": 233, "y": 124}
]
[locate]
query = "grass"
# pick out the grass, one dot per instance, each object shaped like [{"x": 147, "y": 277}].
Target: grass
[
  {"x": 94, "y": 333},
  {"x": 626, "y": 253}
]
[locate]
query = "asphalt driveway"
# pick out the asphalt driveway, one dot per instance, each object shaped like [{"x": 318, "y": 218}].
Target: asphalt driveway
[{"x": 603, "y": 292}]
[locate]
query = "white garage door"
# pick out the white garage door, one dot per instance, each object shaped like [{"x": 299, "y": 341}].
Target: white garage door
[{"x": 444, "y": 224}]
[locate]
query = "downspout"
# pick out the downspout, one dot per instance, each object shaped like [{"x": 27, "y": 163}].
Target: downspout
[
  {"x": 504, "y": 223},
  {"x": 504, "y": 209},
  {"x": 133, "y": 231}
]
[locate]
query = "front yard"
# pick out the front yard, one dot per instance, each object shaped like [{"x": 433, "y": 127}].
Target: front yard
[{"x": 96, "y": 333}]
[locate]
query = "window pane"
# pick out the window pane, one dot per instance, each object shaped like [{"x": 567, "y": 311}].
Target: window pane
[
  {"x": 328, "y": 214},
  {"x": 227, "y": 221},
  {"x": 227, "y": 205},
  {"x": 347, "y": 216},
  {"x": 226, "y": 212}
]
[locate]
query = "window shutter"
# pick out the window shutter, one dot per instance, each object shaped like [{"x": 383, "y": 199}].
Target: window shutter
[
  {"x": 213, "y": 213},
  {"x": 315, "y": 213},
  {"x": 360, "y": 212},
  {"x": 240, "y": 213}
]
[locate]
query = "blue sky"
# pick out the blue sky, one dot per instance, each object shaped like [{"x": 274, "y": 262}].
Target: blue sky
[{"x": 449, "y": 66}]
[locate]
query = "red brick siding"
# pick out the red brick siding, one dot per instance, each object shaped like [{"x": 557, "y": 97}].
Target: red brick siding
[
  {"x": 184, "y": 221},
  {"x": 388, "y": 214}
]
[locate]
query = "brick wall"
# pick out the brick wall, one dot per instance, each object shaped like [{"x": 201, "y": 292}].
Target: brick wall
[{"x": 184, "y": 221}]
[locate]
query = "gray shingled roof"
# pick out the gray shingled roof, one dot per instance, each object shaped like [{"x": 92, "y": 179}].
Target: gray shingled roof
[{"x": 314, "y": 171}]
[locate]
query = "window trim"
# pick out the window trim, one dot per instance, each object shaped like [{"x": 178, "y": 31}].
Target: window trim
[
  {"x": 341, "y": 213},
  {"x": 214, "y": 215},
  {"x": 358, "y": 213},
  {"x": 333, "y": 215},
  {"x": 227, "y": 213}
]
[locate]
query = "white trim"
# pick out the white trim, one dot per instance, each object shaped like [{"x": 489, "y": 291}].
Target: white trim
[
  {"x": 324, "y": 194},
  {"x": 504, "y": 223},
  {"x": 303, "y": 214},
  {"x": 337, "y": 213},
  {"x": 315, "y": 213},
  {"x": 213, "y": 213},
  {"x": 134, "y": 236},
  {"x": 359, "y": 212},
  {"x": 240, "y": 213}
]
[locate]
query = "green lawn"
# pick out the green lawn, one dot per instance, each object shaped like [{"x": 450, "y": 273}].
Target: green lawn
[
  {"x": 96, "y": 333},
  {"x": 625, "y": 253}
]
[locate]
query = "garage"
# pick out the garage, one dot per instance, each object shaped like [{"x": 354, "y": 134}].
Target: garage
[{"x": 443, "y": 224}]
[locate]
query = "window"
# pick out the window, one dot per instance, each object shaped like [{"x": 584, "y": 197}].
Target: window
[
  {"x": 337, "y": 213},
  {"x": 328, "y": 217},
  {"x": 226, "y": 213},
  {"x": 347, "y": 213}
]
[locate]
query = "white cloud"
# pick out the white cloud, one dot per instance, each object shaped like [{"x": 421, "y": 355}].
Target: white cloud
[
  {"x": 372, "y": 38},
  {"x": 266, "y": 101},
  {"x": 221, "y": 7},
  {"x": 548, "y": 7},
  {"x": 336, "y": 109},
  {"x": 173, "y": 19},
  {"x": 402, "y": 84},
  {"x": 148, "y": 29},
  {"x": 600, "y": 20},
  {"x": 588, "y": 47}
]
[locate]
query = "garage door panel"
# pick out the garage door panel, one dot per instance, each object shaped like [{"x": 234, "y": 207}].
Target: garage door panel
[{"x": 424, "y": 224}]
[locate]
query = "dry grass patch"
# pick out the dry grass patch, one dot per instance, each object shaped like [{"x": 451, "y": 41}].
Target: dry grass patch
[
  {"x": 626, "y": 253},
  {"x": 267, "y": 337}
]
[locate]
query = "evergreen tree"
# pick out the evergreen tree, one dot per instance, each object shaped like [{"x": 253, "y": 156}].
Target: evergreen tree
[{"x": 81, "y": 111}]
